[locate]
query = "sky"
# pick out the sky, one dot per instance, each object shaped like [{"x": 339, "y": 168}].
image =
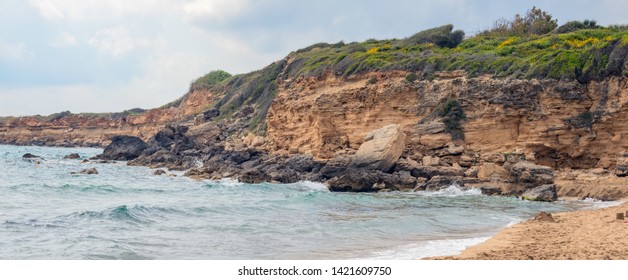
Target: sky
[{"x": 112, "y": 55}]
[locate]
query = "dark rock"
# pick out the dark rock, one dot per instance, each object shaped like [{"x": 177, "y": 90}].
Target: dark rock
[
  {"x": 490, "y": 190},
  {"x": 87, "y": 171},
  {"x": 72, "y": 156},
  {"x": 399, "y": 181},
  {"x": 30, "y": 156},
  {"x": 208, "y": 115},
  {"x": 335, "y": 167},
  {"x": 85, "y": 161},
  {"x": 123, "y": 147},
  {"x": 432, "y": 171},
  {"x": 621, "y": 170},
  {"x": 164, "y": 138},
  {"x": 239, "y": 157},
  {"x": 303, "y": 163},
  {"x": 284, "y": 176},
  {"x": 356, "y": 180},
  {"x": 159, "y": 172},
  {"x": 254, "y": 176},
  {"x": 541, "y": 193}
]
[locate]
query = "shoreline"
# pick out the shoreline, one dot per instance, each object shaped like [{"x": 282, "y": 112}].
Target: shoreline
[{"x": 591, "y": 234}]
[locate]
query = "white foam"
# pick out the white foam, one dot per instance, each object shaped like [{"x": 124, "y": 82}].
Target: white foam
[
  {"x": 313, "y": 185},
  {"x": 453, "y": 190},
  {"x": 431, "y": 248},
  {"x": 230, "y": 182},
  {"x": 599, "y": 204}
]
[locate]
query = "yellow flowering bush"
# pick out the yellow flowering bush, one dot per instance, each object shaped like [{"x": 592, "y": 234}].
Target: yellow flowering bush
[{"x": 507, "y": 42}]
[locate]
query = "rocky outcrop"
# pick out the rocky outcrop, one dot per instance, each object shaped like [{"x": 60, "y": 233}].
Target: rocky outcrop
[
  {"x": 381, "y": 149},
  {"x": 531, "y": 175},
  {"x": 541, "y": 193},
  {"x": 123, "y": 148}
]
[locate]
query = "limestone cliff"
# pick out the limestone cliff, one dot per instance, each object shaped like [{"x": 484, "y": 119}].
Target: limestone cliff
[{"x": 556, "y": 123}]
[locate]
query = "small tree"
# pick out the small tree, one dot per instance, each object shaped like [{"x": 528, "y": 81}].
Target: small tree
[{"x": 535, "y": 21}]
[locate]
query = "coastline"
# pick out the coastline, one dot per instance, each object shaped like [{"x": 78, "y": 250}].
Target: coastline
[{"x": 593, "y": 234}]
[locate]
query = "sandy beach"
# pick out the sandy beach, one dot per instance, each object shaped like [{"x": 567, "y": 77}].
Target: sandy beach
[{"x": 580, "y": 235}]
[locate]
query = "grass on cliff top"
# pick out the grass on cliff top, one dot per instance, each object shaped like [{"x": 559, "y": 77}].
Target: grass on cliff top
[{"x": 586, "y": 54}]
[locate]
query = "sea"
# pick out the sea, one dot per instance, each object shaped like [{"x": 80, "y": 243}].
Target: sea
[{"x": 127, "y": 212}]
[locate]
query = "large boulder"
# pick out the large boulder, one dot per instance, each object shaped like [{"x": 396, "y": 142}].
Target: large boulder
[
  {"x": 492, "y": 171},
  {"x": 381, "y": 149},
  {"x": 123, "y": 147},
  {"x": 531, "y": 175},
  {"x": 357, "y": 180},
  {"x": 541, "y": 193}
]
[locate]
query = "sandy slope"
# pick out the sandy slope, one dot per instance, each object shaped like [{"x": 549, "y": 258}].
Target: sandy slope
[{"x": 580, "y": 235}]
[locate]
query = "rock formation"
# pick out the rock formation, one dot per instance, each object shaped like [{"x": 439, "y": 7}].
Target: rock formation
[{"x": 123, "y": 147}]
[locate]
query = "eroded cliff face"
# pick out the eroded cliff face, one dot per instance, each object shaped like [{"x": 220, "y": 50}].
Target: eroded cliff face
[
  {"x": 554, "y": 123},
  {"x": 96, "y": 130}
]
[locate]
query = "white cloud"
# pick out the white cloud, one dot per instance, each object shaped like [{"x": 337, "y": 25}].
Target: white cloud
[
  {"x": 214, "y": 9},
  {"x": 63, "y": 40},
  {"x": 116, "y": 41},
  {"x": 46, "y": 9},
  {"x": 14, "y": 51}
]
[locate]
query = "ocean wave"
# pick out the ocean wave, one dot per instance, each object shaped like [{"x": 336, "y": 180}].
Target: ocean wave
[
  {"x": 430, "y": 248},
  {"x": 135, "y": 214}
]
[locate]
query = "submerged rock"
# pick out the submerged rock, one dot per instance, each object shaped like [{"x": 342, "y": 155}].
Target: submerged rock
[
  {"x": 159, "y": 172},
  {"x": 72, "y": 156},
  {"x": 31, "y": 156},
  {"x": 87, "y": 171},
  {"x": 123, "y": 147}
]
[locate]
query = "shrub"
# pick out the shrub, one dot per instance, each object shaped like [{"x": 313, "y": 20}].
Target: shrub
[
  {"x": 411, "y": 77},
  {"x": 576, "y": 25},
  {"x": 535, "y": 21},
  {"x": 452, "y": 114},
  {"x": 441, "y": 36}
]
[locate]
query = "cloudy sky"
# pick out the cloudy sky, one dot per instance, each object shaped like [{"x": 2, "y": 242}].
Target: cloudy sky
[{"x": 111, "y": 55}]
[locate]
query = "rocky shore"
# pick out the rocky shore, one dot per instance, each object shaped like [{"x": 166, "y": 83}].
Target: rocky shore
[{"x": 537, "y": 139}]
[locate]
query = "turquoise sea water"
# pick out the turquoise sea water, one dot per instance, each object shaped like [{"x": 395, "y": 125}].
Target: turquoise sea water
[{"x": 128, "y": 213}]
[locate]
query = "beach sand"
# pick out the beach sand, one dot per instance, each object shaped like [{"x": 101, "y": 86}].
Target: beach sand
[{"x": 580, "y": 235}]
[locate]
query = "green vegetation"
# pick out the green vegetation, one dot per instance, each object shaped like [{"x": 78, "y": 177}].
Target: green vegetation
[
  {"x": 440, "y": 36},
  {"x": 211, "y": 78},
  {"x": 452, "y": 114},
  {"x": 576, "y": 25},
  {"x": 256, "y": 89},
  {"x": 585, "y": 55},
  {"x": 411, "y": 77}
]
